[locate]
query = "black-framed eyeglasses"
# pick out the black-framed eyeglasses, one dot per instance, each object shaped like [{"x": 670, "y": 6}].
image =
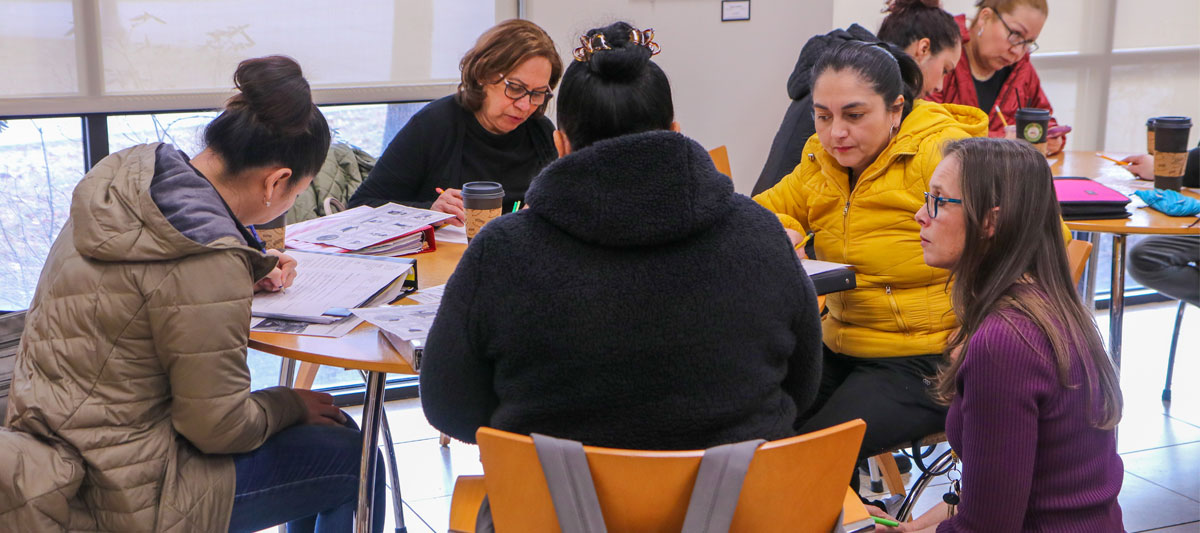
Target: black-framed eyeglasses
[
  {"x": 932, "y": 203},
  {"x": 1016, "y": 39},
  {"x": 516, "y": 91}
]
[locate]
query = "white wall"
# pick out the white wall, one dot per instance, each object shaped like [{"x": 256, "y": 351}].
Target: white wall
[{"x": 728, "y": 79}]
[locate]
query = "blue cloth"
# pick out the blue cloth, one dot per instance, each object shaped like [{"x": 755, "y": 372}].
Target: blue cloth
[
  {"x": 1170, "y": 202},
  {"x": 305, "y": 476}
]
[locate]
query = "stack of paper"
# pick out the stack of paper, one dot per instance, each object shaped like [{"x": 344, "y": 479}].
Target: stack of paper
[
  {"x": 404, "y": 326},
  {"x": 328, "y": 285},
  {"x": 390, "y": 230}
]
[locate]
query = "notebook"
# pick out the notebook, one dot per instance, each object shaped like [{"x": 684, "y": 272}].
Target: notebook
[
  {"x": 1086, "y": 199},
  {"x": 829, "y": 277}
]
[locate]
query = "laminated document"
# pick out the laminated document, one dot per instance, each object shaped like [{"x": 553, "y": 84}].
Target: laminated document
[{"x": 390, "y": 229}]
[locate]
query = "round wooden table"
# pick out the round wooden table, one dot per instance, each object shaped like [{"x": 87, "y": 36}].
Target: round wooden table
[
  {"x": 1144, "y": 221},
  {"x": 366, "y": 350}
]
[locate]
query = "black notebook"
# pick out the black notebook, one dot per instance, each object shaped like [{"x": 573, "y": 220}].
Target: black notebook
[{"x": 829, "y": 277}]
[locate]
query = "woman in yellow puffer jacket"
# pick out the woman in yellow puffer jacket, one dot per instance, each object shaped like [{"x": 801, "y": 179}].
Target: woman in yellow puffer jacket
[{"x": 861, "y": 178}]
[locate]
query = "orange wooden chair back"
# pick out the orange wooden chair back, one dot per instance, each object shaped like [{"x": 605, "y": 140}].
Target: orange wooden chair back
[
  {"x": 795, "y": 484},
  {"x": 720, "y": 158},
  {"x": 1078, "y": 253}
]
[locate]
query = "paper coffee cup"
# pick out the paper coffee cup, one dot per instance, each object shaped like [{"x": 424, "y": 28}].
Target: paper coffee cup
[
  {"x": 1170, "y": 151},
  {"x": 1150, "y": 136},
  {"x": 1031, "y": 126},
  {"x": 482, "y": 201}
]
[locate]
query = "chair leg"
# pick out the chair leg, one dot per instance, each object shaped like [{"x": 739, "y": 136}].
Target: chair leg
[
  {"x": 1166, "y": 394},
  {"x": 891, "y": 473},
  {"x": 306, "y": 375}
]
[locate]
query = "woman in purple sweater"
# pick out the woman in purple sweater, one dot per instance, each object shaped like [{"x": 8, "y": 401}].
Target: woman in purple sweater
[{"x": 1034, "y": 398}]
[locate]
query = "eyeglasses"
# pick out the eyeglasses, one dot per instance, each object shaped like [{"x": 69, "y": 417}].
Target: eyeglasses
[
  {"x": 932, "y": 203},
  {"x": 516, "y": 91},
  {"x": 1016, "y": 39}
]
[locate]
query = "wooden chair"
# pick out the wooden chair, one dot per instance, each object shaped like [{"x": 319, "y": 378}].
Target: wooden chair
[
  {"x": 793, "y": 484},
  {"x": 1078, "y": 253},
  {"x": 720, "y": 158}
]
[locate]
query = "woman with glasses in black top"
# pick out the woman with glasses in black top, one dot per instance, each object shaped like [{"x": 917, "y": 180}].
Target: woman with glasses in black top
[{"x": 491, "y": 129}]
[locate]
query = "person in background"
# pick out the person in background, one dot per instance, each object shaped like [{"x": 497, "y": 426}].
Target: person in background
[
  {"x": 856, "y": 189},
  {"x": 131, "y": 407},
  {"x": 1034, "y": 398},
  {"x": 1168, "y": 264},
  {"x": 639, "y": 302},
  {"x": 492, "y": 129},
  {"x": 995, "y": 71},
  {"x": 921, "y": 27}
]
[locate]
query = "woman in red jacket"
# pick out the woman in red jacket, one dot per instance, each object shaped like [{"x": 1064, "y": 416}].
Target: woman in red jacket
[{"x": 995, "y": 73}]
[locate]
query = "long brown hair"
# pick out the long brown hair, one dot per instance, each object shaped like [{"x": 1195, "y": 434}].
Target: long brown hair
[{"x": 1022, "y": 266}]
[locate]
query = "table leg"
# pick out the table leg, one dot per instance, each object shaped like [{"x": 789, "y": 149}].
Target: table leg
[
  {"x": 397, "y": 501},
  {"x": 372, "y": 412},
  {"x": 1116, "y": 306},
  {"x": 287, "y": 372}
]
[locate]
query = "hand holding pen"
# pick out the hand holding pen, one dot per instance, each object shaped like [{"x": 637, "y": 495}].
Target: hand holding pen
[{"x": 450, "y": 202}]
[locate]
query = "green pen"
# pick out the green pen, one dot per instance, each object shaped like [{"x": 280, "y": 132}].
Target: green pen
[
  {"x": 516, "y": 206},
  {"x": 886, "y": 522}
]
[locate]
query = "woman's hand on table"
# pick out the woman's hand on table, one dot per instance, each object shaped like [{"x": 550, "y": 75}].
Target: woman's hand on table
[
  {"x": 1054, "y": 145},
  {"x": 450, "y": 202},
  {"x": 281, "y": 276},
  {"x": 1141, "y": 165},
  {"x": 319, "y": 408},
  {"x": 796, "y": 239}
]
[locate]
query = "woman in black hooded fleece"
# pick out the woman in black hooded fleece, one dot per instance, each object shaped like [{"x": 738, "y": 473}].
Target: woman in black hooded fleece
[{"x": 639, "y": 302}]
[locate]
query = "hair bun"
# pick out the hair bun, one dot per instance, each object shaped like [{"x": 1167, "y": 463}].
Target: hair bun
[
  {"x": 274, "y": 90},
  {"x": 896, "y": 6},
  {"x": 624, "y": 59}
]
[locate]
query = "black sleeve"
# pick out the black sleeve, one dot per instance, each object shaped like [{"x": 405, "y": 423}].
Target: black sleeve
[
  {"x": 457, "y": 393},
  {"x": 788, "y": 147},
  {"x": 804, "y": 369},
  {"x": 401, "y": 173},
  {"x": 1191, "y": 173}
]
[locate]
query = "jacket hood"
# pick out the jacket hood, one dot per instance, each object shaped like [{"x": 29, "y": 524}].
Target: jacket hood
[
  {"x": 800, "y": 82},
  {"x": 641, "y": 189},
  {"x": 928, "y": 119},
  {"x": 147, "y": 203}
]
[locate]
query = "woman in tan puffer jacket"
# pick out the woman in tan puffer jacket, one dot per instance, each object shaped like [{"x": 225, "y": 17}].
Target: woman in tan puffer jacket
[{"x": 131, "y": 407}]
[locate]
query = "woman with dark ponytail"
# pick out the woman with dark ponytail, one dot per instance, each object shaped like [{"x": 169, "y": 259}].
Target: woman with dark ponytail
[
  {"x": 639, "y": 302},
  {"x": 925, "y": 31},
  {"x": 861, "y": 179},
  {"x": 131, "y": 407}
]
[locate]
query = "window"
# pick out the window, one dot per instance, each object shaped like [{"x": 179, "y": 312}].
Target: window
[
  {"x": 101, "y": 56},
  {"x": 41, "y": 160}
]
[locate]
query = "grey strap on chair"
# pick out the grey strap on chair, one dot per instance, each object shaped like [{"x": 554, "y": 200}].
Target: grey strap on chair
[
  {"x": 570, "y": 481},
  {"x": 718, "y": 486}
]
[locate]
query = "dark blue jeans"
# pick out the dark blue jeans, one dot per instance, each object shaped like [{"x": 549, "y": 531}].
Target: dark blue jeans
[{"x": 305, "y": 476}]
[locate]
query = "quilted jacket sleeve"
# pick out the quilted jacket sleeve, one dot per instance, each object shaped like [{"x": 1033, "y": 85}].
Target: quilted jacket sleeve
[
  {"x": 787, "y": 200},
  {"x": 200, "y": 322}
]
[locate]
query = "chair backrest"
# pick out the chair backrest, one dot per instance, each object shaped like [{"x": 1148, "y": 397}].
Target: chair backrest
[
  {"x": 1078, "y": 253},
  {"x": 795, "y": 484},
  {"x": 11, "y": 327},
  {"x": 720, "y": 158}
]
